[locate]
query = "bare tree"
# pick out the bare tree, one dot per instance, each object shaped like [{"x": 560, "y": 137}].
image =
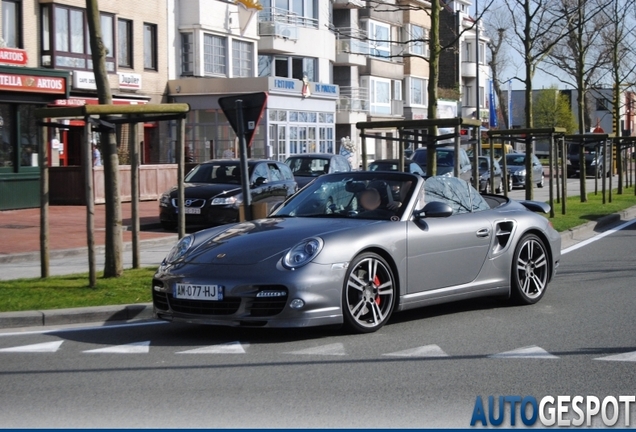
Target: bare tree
[
  {"x": 618, "y": 36},
  {"x": 496, "y": 30},
  {"x": 113, "y": 266},
  {"x": 538, "y": 25}
]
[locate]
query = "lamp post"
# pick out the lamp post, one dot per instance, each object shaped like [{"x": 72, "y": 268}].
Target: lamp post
[{"x": 477, "y": 105}]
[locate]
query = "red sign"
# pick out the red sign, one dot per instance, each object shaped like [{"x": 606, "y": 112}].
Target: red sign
[
  {"x": 33, "y": 83},
  {"x": 13, "y": 56}
]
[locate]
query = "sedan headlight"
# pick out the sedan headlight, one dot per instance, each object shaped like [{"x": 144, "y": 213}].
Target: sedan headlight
[
  {"x": 303, "y": 252},
  {"x": 164, "y": 201},
  {"x": 224, "y": 201},
  {"x": 179, "y": 250},
  {"x": 521, "y": 173}
]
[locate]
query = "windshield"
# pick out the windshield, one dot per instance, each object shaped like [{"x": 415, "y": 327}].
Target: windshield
[
  {"x": 445, "y": 157},
  {"x": 223, "y": 173},
  {"x": 361, "y": 195},
  {"x": 308, "y": 167},
  {"x": 515, "y": 159}
]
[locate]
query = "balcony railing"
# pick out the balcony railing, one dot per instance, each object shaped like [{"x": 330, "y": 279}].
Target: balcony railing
[
  {"x": 351, "y": 41},
  {"x": 353, "y": 99},
  {"x": 284, "y": 18}
]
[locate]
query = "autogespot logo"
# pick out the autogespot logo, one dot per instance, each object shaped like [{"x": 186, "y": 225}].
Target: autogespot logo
[{"x": 554, "y": 411}]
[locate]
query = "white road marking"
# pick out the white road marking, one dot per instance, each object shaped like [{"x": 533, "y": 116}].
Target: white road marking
[
  {"x": 329, "y": 349},
  {"x": 132, "y": 348},
  {"x": 627, "y": 357},
  {"x": 40, "y": 348},
  {"x": 423, "y": 351},
  {"x": 526, "y": 352},
  {"x": 226, "y": 348},
  {"x": 597, "y": 237}
]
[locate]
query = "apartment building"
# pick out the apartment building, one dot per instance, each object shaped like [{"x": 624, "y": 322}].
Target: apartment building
[{"x": 45, "y": 60}]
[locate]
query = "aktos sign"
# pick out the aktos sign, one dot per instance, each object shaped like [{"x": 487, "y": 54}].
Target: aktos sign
[
  {"x": 13, "y": 56},
  {"x": 33, "y": 83}
]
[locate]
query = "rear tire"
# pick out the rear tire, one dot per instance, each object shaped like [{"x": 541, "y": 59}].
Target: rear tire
[
  {"x": 530, "y": 270},
  {"x": 169, "y": 226}
]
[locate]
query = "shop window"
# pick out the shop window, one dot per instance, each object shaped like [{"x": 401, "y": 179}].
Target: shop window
[{"x": 6, "y": 138}]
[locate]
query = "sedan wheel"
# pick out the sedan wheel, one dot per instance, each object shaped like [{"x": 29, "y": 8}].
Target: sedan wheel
[
  {"x": 540, "y": 184},
  {"x": 530, "y": 270},
  {"x": 368, "y": 294}
]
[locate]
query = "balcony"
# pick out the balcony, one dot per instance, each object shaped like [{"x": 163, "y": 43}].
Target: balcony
[
  {"x": 352, "y": 105},
  {"x": 469, "y": 69},
  {"x": 348, "y": 4},
  {"x": 352, "y": 47}
]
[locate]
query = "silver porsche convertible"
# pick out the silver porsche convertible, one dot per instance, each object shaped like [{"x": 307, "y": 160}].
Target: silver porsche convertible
[{"x": 353, "y": 248}]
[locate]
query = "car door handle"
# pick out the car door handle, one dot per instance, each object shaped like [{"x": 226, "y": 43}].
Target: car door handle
[{"x": 484, "y": 232}]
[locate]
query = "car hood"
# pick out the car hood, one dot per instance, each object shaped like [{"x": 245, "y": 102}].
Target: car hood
[
  {"x": 206, "y": 190},
  {"x": 251, "y": 242},
  {"x": 515, "y": 168}
]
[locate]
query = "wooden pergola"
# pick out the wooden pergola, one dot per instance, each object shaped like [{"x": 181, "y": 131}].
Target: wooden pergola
[{"x": 106, "y": 116}]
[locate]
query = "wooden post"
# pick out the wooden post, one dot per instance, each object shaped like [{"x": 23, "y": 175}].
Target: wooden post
[
  {"x": 43, "y": 161},
  {"x": 87, "y": 157},
  {"x": 133, "y": 145}
]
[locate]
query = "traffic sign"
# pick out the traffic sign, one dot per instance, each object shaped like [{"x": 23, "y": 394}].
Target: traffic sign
[{"x": 253, "y": 106}]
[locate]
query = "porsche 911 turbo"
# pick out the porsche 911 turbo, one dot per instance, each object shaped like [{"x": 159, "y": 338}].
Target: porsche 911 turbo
[{"x": 353, "y": 248}]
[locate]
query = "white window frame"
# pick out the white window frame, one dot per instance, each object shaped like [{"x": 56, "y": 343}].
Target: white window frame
[
  {"x": 242, "y": 58},
  {"x": 214, "y": 55},
  {"x": 380, "y": 46},
  {"x": 423, "y": 83},
  {"x": 417, "y": 47},
  {"x": 377, "y": 87}
]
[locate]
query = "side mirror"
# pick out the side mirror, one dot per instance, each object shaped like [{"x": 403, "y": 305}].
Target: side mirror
[
  {"x": 260, "y": 181},
  {"x": 434, "y": 209}
]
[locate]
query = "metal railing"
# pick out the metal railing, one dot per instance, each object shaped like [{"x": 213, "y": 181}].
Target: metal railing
[{"x": 353, "y": 99}]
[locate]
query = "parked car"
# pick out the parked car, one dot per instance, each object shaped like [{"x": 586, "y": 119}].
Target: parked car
[
  {"x": 393, "y": 164},
  {"x": 361, "y": 259},
  {"x": 307, "y": 166},
  {"x": 516, "y": 164},
  {"x": 595, "y": 163},
  {"x": 445, "y": 162},
  {"x": 213, "y": 192},
  {"x": 484, "y": 176}
]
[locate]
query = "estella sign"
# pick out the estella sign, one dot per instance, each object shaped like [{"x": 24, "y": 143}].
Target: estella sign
[
  {"x": 13, "y": 56},
  {"x": 32, "y": 83}
]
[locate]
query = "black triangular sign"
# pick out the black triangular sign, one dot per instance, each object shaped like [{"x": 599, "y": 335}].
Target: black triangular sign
[{"x": 253, "y": 106}]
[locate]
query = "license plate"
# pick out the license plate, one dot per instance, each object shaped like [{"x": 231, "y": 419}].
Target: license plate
[
  {"x": 198, "y": 292},
  {"x": 189, "y": 210}
]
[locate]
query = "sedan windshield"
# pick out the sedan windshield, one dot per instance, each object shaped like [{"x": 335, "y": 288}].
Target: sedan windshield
[
  {"x": 308, "y": 167},
  {"x": 225, "y": 173},
  {"x": 363, "y": 195}
]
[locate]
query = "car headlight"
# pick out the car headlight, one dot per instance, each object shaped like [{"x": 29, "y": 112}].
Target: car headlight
[
  {"x": 521, "y": 173},
  {"x": 179, "y": 250},
  {"x": 164, "y": 201},
  {"x": 224, "y": 201},
  {"x": 303, "y": 252}
]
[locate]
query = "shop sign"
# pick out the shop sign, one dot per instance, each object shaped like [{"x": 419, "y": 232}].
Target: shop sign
[
  {"x": 129, "y": 81},
  {"x": 13, "y": 56},
  {"x": 84, "y": 80},
  {"x": 33, "y": 83}
]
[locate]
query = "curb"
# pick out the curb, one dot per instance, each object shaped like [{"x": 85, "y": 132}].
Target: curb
[{"x": 76, "y": 315}]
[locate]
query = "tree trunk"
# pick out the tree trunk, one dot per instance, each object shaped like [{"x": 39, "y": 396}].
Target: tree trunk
[
  {"x": 433, "y": 81},
  {"x": 113, "y": 266}
]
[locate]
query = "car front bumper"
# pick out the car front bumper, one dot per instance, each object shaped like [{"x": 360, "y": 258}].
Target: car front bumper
[{"x": 319, "y": 287}]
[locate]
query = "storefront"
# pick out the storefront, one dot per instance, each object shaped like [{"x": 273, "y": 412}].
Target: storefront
[
  {"x": 298, "y": 118},
  {"x": 22, "y": 90}
]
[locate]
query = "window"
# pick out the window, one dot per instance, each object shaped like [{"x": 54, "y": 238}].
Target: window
[
  {"x": 150, "y": 46},
  {"x": 65, "y": 38},
  {"x": 468, "y": 52},
  {"x": 304, "y": 11},
  {"x": 242, "y": 58},
  {"x": 379, "y": 39},
  {"x": 12, "y": 23},
  {"x": 288, "y": 67},
  {"x": 482, "y": 53},
  {"x": 124, "y": 43},
  {"x": 187, "y": 54},
  {"x": 397, "y": 90},
  {"x": 214, "y": 55},
  {"x": 416, "y": 38},
  {"x": 418, "y": 91},
  {"x": 467, "y": 96},
  {"x": 380, "y": 95}
]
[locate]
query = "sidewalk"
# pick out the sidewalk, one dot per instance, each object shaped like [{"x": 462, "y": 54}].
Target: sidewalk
[
  {"x": 19, "y": 255},
  {"x": 20, "y": 229}
]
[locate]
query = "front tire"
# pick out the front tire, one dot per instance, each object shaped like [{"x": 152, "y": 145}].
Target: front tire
[
  {"x": 530, "y": 270},
  {"x": 541, "y": 183},
  {"x": 368, "y": 295}
]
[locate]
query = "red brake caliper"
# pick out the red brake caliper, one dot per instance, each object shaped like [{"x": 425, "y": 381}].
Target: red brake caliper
[{"x": 376, "y": 282}]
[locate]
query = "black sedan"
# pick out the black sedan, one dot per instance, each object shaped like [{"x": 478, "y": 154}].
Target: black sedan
[
  {"x": 393, "y": 164},
  {"x": 213, "y": 192}
]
